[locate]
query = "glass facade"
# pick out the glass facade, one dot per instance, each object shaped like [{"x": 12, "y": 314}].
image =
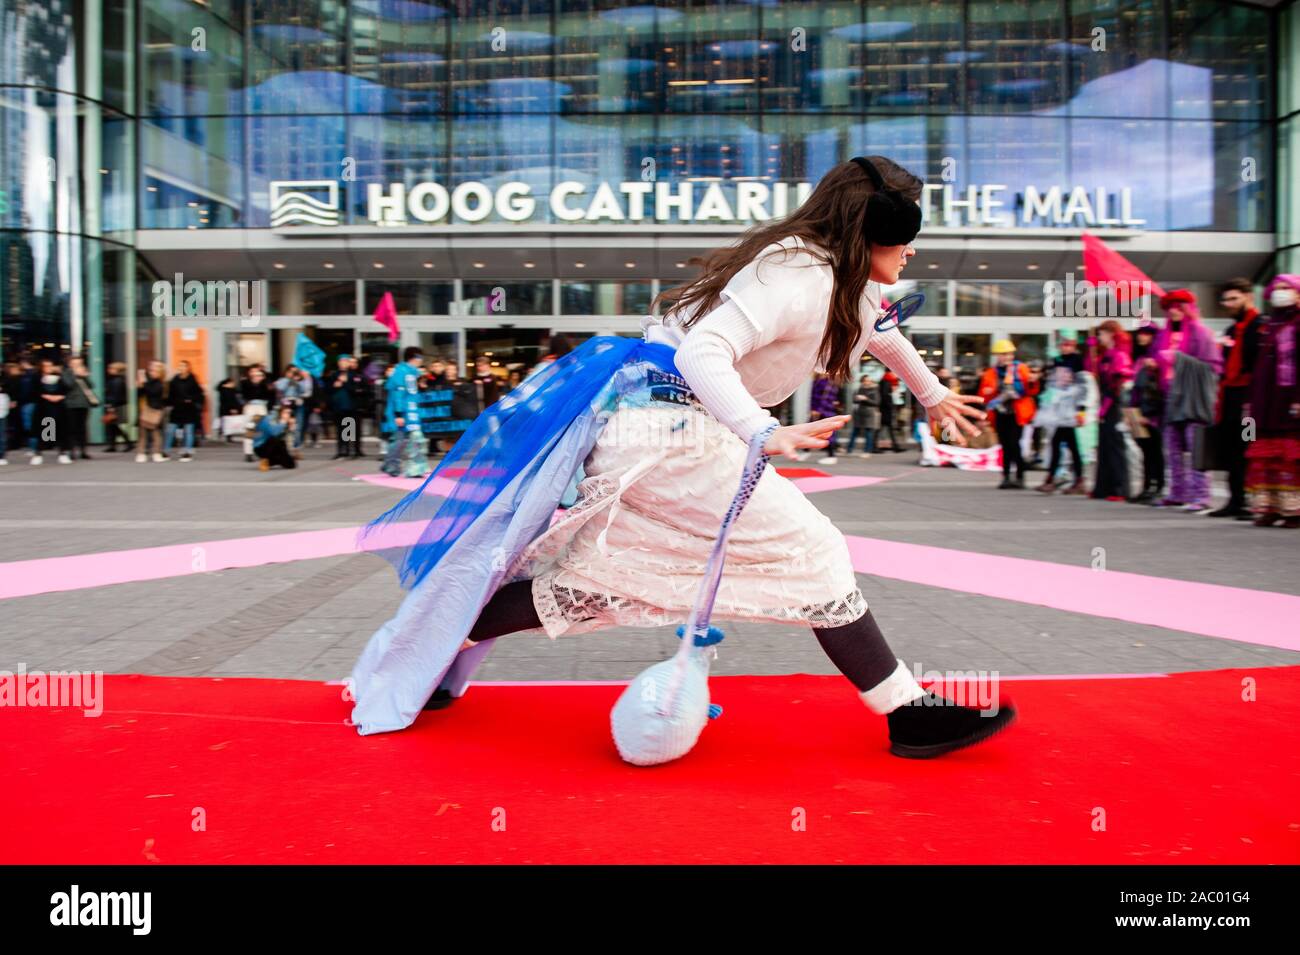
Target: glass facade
[
  {"x": 126, "y": 115},
  {"x": 1165, "y": 97},
  {"x": 67, "y": 182}
]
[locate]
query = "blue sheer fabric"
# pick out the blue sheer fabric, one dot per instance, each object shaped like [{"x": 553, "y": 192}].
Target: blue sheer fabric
[
  {"x": 504, "y": 441},
  {"x": 455, "y": 539}
]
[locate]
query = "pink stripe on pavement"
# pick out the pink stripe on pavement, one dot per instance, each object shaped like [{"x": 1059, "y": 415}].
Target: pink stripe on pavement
[
  {"x": 23, "y": 578},
  {"x": 1231, "y": 613},
  {"x": 439, "y": 485},
  {"x": 812, "y": 485}
]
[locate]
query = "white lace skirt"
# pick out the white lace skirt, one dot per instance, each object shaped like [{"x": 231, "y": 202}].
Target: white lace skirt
[{"x": 632, "y": 550}]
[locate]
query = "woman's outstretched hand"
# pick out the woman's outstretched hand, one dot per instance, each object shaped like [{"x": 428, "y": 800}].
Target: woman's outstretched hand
[
  {"x": 955, "y": 414},
  {"x": 815, "y": 434}
]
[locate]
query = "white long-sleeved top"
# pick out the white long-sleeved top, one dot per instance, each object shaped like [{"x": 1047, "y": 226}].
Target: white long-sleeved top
[{"x": 761, "y": 342}]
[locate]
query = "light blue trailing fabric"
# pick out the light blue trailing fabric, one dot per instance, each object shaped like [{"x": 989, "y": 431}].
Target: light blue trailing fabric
[{"x": 455, "y": 539}]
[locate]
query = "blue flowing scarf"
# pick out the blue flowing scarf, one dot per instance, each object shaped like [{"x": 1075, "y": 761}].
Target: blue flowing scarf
[
  {"x": 455, "y": 539},
  {"x": 418, "y": 531}
]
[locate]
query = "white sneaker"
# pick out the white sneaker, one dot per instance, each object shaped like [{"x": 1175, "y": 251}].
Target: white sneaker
[
  {"x": 3, "y": 462},
  {"x": 141, "y": 458},
  {"x": 828, "y": 460},
  {"x": 185, "y": 457},
  {"x": 37, "y": 459},
  {"x": 159, "y": 458},
  {"x": 64, "y": 459},
  {"x": 866, "y": 454}
]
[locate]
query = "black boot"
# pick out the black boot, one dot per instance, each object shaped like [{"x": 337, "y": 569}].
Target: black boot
[
  {"x": 933, "y": 725},
  {"x": 440, "y": 700}
]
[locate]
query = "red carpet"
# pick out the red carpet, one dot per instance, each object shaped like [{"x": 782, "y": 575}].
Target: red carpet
[{"x": 1183, "y": 768}]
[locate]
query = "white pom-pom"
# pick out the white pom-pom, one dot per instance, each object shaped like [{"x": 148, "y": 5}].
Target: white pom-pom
[{"x": 656, "y": 722}]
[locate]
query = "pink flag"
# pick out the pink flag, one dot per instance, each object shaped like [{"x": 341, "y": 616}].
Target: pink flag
[
  {"x": 386, "y": 315},
  {"x": 1101, "y": 263}
]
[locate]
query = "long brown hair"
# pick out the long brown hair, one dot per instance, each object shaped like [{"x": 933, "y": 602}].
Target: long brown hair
[{"x": 831, "y": 222}]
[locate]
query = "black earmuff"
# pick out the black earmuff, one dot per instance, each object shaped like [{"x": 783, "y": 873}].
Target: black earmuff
[{"x": 891, "y": 218}]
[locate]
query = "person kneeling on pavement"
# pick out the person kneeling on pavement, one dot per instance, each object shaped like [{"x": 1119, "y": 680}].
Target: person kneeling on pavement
[{"x": 268, "y": 439}]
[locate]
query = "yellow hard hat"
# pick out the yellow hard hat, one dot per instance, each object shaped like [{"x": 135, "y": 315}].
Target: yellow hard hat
[{"x": 1003, "y": 346}]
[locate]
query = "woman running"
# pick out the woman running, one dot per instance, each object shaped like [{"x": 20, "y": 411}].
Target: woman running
[{"x": 661, "y": 428}]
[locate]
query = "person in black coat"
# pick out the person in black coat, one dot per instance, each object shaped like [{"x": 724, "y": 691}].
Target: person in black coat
[
  {"x": 116, "y": 398},
  {"x": 186, "y": 399},
  {"x": 346, "y": 401},
  {"x": 50, "y": 422}
]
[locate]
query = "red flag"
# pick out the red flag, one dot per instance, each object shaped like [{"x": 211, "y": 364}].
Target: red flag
[
  {"x": 1101, "y": 263},
  {"x": 386, "y": 315}
]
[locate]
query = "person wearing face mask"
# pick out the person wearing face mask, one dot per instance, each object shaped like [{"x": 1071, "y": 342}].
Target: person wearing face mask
[
  {"x": 1188, "y": 359},
  {"x": 1273, "y": 458},
  {"x": 1238, "y": 298}
]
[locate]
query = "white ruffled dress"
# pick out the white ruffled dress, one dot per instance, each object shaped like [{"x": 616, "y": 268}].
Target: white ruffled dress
[{"x": 632, "y": 550}]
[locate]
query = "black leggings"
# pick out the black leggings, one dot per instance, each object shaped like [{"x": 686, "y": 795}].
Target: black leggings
[{"x": 857, "y": 649}]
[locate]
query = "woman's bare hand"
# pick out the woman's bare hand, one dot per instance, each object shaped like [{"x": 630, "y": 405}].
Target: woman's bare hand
[
  {"x": 815, "y": 434},
  {"x": 955, "y": 414}
]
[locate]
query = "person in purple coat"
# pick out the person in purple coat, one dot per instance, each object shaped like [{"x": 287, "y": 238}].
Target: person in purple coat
[
  {"x": 825, "y": 404},
  {"x": 1273, "y": 457},
  {"x": 1185, "y": 334}
]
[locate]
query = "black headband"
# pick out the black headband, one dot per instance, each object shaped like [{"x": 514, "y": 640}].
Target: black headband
[{"x": 892, "y": 218}]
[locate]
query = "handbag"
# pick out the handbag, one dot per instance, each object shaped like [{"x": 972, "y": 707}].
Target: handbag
[
  {"x": 150, "y": 417},
  {"x": 1205, "y": 449},
  {"x": 90, "y": 395},
  {"x": 1133, "y": 418},
  {"x": 110, "y": 415}
]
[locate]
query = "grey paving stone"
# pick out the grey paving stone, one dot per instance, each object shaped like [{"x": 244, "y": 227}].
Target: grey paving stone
[{"x": 310, "y": 619}]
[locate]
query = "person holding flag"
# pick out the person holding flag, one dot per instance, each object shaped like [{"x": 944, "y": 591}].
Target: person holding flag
[{"x": 407, "y": 455}]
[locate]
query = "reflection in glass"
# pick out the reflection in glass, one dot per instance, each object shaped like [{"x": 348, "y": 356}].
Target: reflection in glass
[
  {"x": 1014, "y": 56},
  {"x": 605, "y": 56},
  {"x": 605, "y": 298},
  {"x": 991, "y": 299},
  {"x": 400, "y": 46},
  {"x": 504, "y": 299},
  {"x": 913, "y": 55},
  {"x": 708, "y": 56},
  {"x": 813, "y": 57},
  {"x": 178, "y": 79},
  {"x": 970, "y": 358},
  {"x": 929, "y": 345},
  {"x": 410, "y": 298},
  {"x": 306, "y": 147},
  {"x": 1115, "y": 56},
  {"x": 501, "y": 56},
  {"x": 313, "y": 298},
  {"x": 507, "y": 349},
  {"x": 1230, "y": 43},
  {"x": 296, "y": 58}
]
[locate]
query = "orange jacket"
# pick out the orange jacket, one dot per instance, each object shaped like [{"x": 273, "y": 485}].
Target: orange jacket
[{"x": 990, "y": 386}]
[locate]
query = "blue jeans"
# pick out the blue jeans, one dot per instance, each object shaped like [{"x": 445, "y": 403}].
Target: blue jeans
[
  {"x": 28, "y": 412},
  {"x": 171, "y": 433},
  {"x": 868, "y": 439},
  {"x": 299, "y": 424}
]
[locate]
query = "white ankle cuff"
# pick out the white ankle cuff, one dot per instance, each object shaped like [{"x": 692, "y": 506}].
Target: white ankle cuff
[{"x": 893, "y": 691}]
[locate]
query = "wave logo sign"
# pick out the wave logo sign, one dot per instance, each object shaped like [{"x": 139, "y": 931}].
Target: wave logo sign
[{"x": 304, "y": 202}]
